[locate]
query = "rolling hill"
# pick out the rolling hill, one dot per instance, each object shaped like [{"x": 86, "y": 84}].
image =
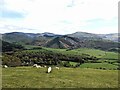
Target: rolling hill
[
  {"x": 28, "y": 38},
  {"x": 71, "y": 41},
  {"x": 63, "y": 42},
  {"x": 113, "y": 37},
  {"x": 6, "y": 46},
  {"x": 19, "y": 37},
  {"x": 85, "y": 36}
]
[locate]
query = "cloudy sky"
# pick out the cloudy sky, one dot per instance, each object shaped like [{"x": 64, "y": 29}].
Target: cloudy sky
[{"x": 59, "y": 16}]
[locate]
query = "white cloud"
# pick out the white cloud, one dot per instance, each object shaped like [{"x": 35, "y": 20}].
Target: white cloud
[
  {"x": 104, "y": 30},
  {"x": 60, "y": 16}
]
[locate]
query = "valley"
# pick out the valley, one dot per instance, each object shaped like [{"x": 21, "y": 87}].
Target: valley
[{"x": 82, "y": 58}]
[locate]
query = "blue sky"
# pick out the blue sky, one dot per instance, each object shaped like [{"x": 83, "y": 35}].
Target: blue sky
[
  {"x": 11, "y": 14},
  {"x": 59, "y": 16}
]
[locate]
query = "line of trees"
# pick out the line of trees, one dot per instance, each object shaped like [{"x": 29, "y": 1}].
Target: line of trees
[{"x": 30, "y": 57}]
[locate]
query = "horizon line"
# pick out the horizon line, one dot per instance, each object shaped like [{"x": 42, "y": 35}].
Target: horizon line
[{"x": 57, "y": 33}]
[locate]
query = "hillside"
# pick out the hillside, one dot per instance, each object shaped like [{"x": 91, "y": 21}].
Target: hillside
[
  {"x": 71, "y": 41},
  {"x": 28, "y": 38},
  {"x": 113, "y": 37},
  {"x": 90, "y": 36},
  {"x": 85, "y": 36},
  {"x": 6, "y": 46},
  {"x": 63, "y": 42},
  {"x": 19, "y": 37}
]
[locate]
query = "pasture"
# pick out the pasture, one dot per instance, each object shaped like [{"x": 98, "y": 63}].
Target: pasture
[
  {"x": 92, "y": 52},
  {"x": 29, "y": 77},
  {"x": 102, "y": 73},
  {"x": 99, "y": 66}
]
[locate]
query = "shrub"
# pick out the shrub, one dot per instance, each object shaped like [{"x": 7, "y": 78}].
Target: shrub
[
  {"x": 67, "y": 64},
  {"x": 37, "y": 48},
  {"x": 104, "y": 68},
  {"x": 77, "y": 65},
  {"x": 118, "y": 68},
  {"x": 100, "y": 68},
  {"x": 11, "y": 61}
]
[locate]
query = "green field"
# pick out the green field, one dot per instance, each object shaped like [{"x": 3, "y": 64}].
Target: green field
[
  {"x": 102, "y": 73},
  {"x": 29, "y": 77},
  {"x": 92, "y": 52},
  {"x": 104, "y": 56},
  {"x": 31, "y": 46},
  {"x": 81, "y": 51},
  {"x": 99, "y": 65}
]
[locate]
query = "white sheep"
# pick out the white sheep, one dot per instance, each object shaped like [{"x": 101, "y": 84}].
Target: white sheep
[
  {"x": 5, "y": 66},
  {"x": 49, "y": 69},
  {"x": 57, "y": 67},
  {"x": 34, "y": 65},
  {"x": 37, "y": 66}
]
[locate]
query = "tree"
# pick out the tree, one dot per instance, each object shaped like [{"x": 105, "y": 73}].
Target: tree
[{"x": 11, "y": 61}]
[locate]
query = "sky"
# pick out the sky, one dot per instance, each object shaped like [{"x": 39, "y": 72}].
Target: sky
[{"x": 59, "y": 16}]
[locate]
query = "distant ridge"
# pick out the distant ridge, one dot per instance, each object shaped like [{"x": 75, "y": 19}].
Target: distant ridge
[{"x": 75, "y": 40}]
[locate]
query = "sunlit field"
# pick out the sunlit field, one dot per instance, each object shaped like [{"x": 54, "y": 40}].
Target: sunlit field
[{"x": 29, "y": 77}]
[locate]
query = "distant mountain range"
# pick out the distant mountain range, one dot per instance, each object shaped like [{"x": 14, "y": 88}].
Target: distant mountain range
[
  {"x": 75, "y": 40},
  {"x": 113, "y": 37}
]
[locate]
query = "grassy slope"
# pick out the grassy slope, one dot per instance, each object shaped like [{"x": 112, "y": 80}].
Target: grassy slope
[
  {"x": 92, "y": 52},
  {"x": 31, "y": 46},
  {"x": 105, "y": 56},
  {"x": 98, "y": 53},
  {"x": 99, "y": 65},
  {"x": 29, "y": 77}
]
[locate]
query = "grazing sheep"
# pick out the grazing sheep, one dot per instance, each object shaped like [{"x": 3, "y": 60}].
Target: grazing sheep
[
  {"x": 45, "y": 66},
  {"x": 57, "y": 67},
  {"x": 49, "y": 69},
  {"x": 37, "y": 66},
  {"x": 5, "y": 66},
  {"x": 34, "y": 65}
]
